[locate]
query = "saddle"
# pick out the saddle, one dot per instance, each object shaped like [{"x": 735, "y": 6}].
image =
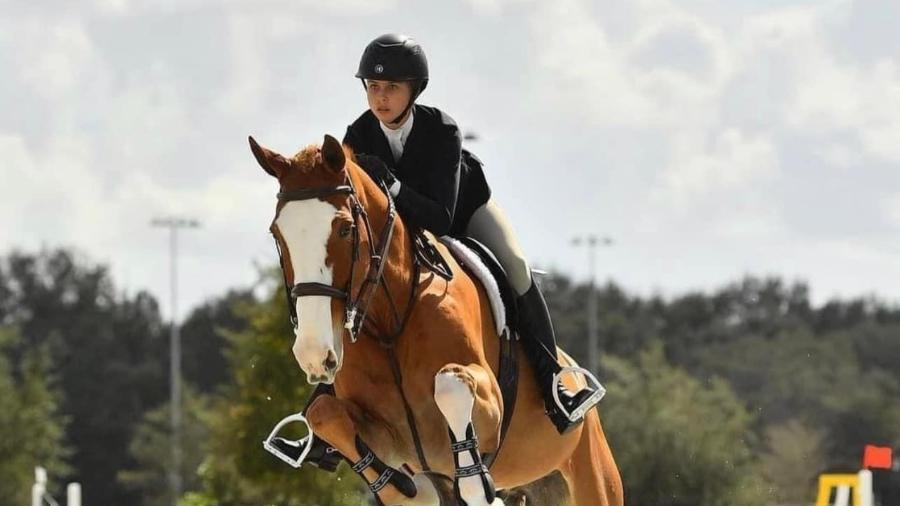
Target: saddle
[{"x": 478, "y": 261}]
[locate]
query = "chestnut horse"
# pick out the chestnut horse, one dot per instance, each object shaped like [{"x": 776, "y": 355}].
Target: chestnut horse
[{"x": 345, "y": 255}]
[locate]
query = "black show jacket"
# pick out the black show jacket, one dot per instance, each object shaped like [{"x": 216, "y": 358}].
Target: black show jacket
[{"x": 437, "y": 192}]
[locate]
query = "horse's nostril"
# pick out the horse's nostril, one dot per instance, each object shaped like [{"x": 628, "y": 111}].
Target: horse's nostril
[{"x": 330, "y": 361}]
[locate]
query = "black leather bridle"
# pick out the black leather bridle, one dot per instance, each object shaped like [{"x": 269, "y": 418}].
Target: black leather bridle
[{"x": 356, "y": 307}]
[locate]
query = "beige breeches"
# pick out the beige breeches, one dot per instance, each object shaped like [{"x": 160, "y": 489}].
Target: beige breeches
[{"x": 490, "y": 227}]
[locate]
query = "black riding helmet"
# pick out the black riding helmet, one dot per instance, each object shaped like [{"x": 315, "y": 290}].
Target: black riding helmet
[{"x": 395, "y": 57}]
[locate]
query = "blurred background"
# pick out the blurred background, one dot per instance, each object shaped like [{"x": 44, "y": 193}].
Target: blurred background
[{"x": 713, "y": 187}]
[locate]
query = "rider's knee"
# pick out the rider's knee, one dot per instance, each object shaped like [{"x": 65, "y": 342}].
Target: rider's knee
[{"x": 519, "y": 274}]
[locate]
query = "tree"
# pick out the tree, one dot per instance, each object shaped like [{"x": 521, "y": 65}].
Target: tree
[
  {"x": 678, "y": 441},
  {"x": 204, "y": 364},
  {"x": 151, "y": 450},
  {"x": 792, "y": 460},
  {"x": 31, "y": 427},
  {"x": 108, "y": 350}
]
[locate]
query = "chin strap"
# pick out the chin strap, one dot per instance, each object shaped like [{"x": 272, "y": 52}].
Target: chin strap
[{"x": 412, "y": 100}]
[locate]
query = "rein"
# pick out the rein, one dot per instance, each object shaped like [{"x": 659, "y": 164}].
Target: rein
[{"x": 356, "y": 308}]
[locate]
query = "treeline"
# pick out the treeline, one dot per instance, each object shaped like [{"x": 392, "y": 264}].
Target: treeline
[
  {"x": 741, "y": 396},
  {"x": 812, "y": 386}
]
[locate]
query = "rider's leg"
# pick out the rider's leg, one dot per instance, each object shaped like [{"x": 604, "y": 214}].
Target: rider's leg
[
  {"x": 490, "y": 226},
  {"x": 321, "y": 454}
]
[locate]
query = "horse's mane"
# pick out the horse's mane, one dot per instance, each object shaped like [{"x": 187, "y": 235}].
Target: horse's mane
[{"x": 309, "y": 156}]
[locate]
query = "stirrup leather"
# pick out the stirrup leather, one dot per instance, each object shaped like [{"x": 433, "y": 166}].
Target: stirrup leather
[
  {"x": 306, "y": 442},
  {"x": 580, "y": 410}
]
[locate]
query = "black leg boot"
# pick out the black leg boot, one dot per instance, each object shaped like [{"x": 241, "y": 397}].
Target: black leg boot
[
  {"x": 321, "y": 454},
  {"x": 539, "y": 342}
]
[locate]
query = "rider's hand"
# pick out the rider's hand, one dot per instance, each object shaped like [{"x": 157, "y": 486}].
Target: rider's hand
[{"x": 377, "y": 169}]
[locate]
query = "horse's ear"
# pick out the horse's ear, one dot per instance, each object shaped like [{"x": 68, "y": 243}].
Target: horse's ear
[
  {"x": 333, "y": 154},
  {"x": 270, "y": 161}
]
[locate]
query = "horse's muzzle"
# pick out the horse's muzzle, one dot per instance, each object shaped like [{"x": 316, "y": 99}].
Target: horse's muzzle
[{"x": 326, "y": 371}]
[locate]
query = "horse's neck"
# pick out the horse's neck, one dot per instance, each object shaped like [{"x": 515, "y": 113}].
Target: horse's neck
[{"x": 399, "y": 257}]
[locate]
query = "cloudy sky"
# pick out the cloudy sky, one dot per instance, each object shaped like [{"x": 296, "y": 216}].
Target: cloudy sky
[{"x": 709, "y": 138}]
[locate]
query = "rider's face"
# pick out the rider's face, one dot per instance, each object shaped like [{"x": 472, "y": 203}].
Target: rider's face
[{"x": 387, "y": 99}]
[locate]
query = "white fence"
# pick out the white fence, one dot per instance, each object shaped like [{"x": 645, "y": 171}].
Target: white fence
[{"x": 40, "y": 497}]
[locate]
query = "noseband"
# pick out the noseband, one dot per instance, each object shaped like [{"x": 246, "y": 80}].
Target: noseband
[{"x": 356, "y": 308}]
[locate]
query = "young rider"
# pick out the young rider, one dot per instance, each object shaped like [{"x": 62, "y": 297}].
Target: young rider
[{"x": 416, "y": 151}]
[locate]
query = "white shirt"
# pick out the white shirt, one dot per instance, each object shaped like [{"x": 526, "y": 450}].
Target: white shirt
[{"x": 397, "y": 138}]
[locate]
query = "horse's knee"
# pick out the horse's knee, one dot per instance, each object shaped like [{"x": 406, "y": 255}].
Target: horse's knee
[
  {"x": 330, "y": 420},
  {"x": 454, "y": 393}
]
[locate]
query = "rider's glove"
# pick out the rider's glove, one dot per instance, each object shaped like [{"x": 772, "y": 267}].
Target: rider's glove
[{"x": 377, "y": 169}]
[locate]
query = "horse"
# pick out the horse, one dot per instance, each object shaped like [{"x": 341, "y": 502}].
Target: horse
[{"x": 412, "y": 356}]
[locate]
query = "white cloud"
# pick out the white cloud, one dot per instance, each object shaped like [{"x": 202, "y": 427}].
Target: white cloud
[
  {"x": 495, "y": 7},
  {"x": 668, "y": 71},
  {"x": 829, "y": 94},
  {"x": 18, "y": 171},
  {"x": 280, "y": 8},
  {"x": 732, "y": 162},
  {"x": 686, "y": 125},
  {"x": 891, "y": 208},
  {"x": 55, "y": 57},
  {"x": 580, "y": 71}
]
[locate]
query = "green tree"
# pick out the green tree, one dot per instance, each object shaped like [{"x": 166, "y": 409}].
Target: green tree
[
  {"x": 31, "y": 427},
  {"x": 793, "y": 458},
  {"x": 151, "y": 450},
  {"x": 678, "y": 441},
  {"x": 204, "y": 364},
  {"x": 109, "y": 351},
  {"x": 267, "y": 385}
]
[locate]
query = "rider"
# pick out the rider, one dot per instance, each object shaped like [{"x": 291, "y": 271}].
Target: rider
[{"x": 416, "y": 150}]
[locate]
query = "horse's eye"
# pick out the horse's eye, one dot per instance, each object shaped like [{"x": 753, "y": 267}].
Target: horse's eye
[{"x": 345, "y": 230}]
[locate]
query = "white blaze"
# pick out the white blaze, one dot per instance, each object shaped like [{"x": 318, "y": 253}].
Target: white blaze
[{"x": 305, "y": 227}]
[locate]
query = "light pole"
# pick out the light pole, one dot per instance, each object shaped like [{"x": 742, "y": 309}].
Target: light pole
[
  {"x": 173, "y": 224},
  {"x": 591, "y": 241}
]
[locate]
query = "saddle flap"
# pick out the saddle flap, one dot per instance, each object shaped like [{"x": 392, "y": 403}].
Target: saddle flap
[{"x": 481, "y": 264}]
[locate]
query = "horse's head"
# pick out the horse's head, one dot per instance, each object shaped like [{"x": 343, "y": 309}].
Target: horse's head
[{"x": 315, "y": 229}]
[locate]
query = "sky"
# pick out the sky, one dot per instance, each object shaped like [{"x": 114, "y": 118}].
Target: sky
[{"x": 710, "y": 139}]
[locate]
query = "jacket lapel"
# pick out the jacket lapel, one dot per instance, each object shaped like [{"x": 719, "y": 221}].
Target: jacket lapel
[{"x": 412, "y": 141}]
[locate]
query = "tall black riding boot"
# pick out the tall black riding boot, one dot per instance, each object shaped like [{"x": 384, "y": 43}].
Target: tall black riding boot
[
  {"x": 321, "y": 454},
  {"x": 539, "y": 343}
]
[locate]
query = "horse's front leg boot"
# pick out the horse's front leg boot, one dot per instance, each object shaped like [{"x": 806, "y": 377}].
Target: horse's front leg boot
[
  {"x": 331, "y": 417},
  {"x": 454, "y": 393}
]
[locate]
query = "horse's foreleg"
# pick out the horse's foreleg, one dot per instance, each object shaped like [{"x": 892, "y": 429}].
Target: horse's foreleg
[
  {"x": 455, "y": 389},
  {"x": 333, "y": 420}
]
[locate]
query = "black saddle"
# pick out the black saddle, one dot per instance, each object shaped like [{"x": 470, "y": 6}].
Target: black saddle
[{"x": 507, "y": 295}]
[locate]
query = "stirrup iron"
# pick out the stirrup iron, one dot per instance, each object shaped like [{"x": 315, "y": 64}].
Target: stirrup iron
[
  {"x": 306, "y": 441},
  {"x": 580, "y": 410}
]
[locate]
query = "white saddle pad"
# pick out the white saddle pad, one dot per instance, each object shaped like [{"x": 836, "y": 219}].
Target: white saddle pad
[{"x": 473, "y": 262}]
